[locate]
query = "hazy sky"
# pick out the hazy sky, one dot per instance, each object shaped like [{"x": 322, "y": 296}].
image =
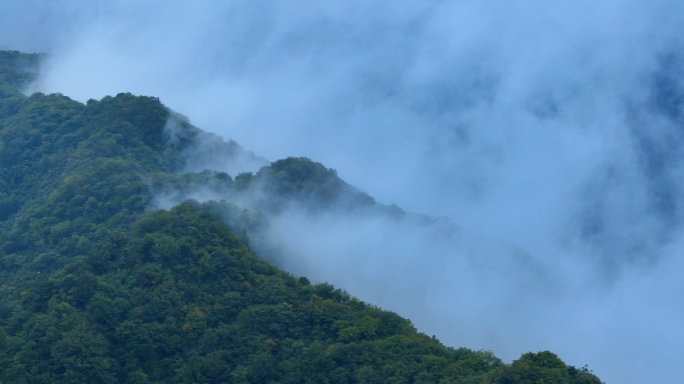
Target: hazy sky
[{"x": 551, "y": 132}]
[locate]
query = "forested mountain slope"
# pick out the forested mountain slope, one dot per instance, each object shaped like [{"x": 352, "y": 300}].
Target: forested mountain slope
[{"x": 98, "y": 286}]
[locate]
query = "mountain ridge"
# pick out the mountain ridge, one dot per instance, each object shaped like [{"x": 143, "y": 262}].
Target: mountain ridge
[{"x": 99, "y": 287}]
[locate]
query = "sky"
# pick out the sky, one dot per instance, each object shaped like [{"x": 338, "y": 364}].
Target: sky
[{"x": 551, "y": 133}]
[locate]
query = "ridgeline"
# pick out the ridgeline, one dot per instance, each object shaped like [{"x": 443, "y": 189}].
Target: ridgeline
[{"x": 98, "y": 286}]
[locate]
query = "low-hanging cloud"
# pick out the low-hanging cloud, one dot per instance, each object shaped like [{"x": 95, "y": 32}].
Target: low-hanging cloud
[{"x": 555, "y": 129}]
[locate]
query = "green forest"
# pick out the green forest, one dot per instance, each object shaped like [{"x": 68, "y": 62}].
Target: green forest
[{"x": 97, "y": 286}]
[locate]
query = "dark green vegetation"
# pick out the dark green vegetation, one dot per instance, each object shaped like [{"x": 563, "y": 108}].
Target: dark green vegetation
[
  {"x": 17, "y": 70},
  {"x": 96, "y": 287}
]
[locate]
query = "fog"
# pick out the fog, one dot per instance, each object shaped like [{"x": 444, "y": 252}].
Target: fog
[{"x": 552, "y": 134}]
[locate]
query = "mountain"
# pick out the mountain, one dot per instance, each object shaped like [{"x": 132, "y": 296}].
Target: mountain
[{"x": 99, "y": 285}]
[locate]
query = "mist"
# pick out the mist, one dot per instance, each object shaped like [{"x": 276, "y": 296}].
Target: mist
[{"x": 551, "y": 134}]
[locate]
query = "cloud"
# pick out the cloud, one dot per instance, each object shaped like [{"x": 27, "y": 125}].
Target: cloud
[{"x": 552, "y": 128}]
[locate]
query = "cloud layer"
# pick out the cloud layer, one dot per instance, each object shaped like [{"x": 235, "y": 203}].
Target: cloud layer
[{"x": 553, "y": 129}]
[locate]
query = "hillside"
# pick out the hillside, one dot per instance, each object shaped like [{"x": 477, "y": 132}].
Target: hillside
[{"x": 97, "y": 285}]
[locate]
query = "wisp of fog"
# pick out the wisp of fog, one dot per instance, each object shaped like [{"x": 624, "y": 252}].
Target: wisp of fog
[{"x": 551, "y": 133}]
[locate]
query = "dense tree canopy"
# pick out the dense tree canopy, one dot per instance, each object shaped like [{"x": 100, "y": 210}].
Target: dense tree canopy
[{"x": 96, "y": 286}]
